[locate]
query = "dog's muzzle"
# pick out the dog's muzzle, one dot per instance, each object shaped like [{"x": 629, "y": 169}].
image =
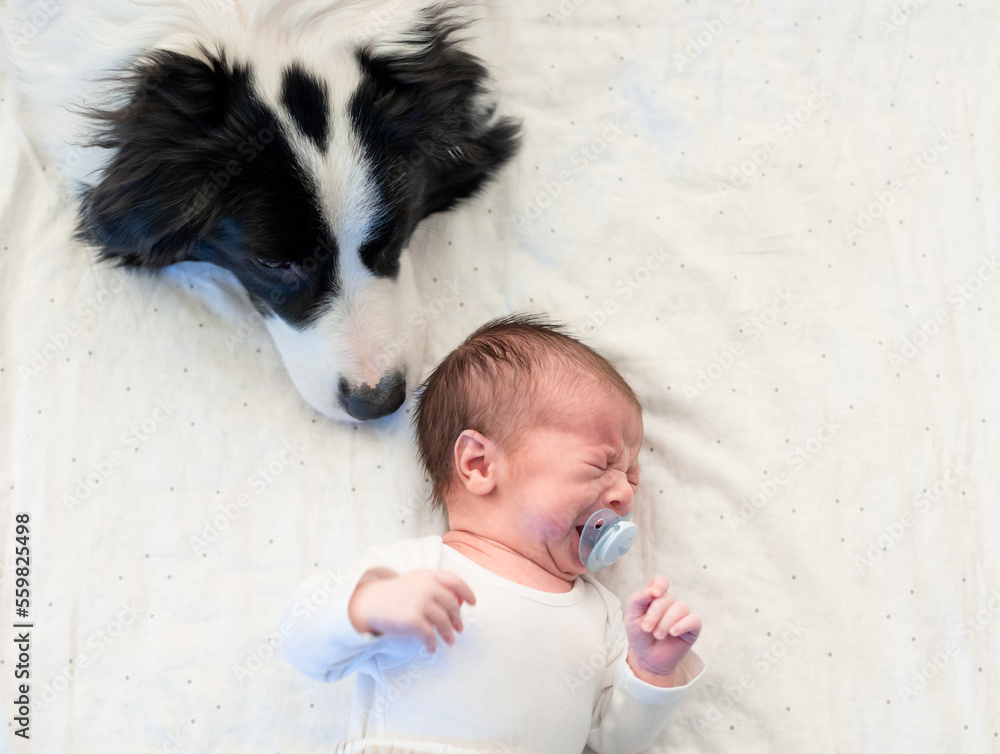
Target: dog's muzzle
[{"x": 364, "y": 402}]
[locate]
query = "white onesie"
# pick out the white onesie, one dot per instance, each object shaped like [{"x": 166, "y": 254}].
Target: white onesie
[{"x": 532, "y": 671}]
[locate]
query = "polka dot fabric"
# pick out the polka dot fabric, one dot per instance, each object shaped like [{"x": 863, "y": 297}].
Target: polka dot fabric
[{"x": 778, "y": 219}]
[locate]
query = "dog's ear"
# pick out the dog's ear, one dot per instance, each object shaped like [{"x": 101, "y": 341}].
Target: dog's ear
[
  {"x": 470, "y": 158},
  {"x": 425, "y": 100},
  {"x": 155, "y": 197}
]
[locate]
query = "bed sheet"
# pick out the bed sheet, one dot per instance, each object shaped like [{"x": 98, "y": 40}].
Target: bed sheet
[{"x": 778, "y": 219}]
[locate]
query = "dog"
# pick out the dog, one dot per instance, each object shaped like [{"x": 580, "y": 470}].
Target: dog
[{"x": 295, "y": 144}]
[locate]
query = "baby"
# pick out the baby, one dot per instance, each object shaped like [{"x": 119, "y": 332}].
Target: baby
[{"x": 525, "y": 434}]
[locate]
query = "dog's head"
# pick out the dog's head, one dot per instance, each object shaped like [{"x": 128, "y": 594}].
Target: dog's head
[{"x": 306, "y": 183}]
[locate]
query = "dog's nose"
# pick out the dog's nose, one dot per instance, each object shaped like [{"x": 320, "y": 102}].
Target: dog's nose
[{"x": 363, "y": 402}]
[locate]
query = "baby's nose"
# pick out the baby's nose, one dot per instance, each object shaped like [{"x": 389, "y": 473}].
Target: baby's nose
[
  {"x": 622, "y": 495},
  {"x": 623, "y": 507}
]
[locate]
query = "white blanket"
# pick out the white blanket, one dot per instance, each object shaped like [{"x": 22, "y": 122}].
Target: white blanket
[{"x": 779, "y": 220}]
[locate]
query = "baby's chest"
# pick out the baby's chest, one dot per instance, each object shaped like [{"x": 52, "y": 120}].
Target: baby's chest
[
  {"x": 516, "y": 665},
  {"x": 509, "y": 634}
]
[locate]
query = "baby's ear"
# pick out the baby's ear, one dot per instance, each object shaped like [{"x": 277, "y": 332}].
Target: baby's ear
[{"x": 476, "y": 462}]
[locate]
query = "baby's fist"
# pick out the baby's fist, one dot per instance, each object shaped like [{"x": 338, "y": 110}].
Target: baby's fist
[
  {"x": 660, "y": 632},
  {"x": 422, "y": 603}
]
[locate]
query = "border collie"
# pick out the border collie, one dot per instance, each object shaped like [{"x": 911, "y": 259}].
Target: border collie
[{"x": 295, "y": 144}]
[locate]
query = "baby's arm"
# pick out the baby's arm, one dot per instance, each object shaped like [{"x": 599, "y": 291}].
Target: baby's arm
[
  {"x": 320, "y": 635},
  {"x": 646, "y": 677},
  {"x": 660, "y": 632},
  {"x": 417, "y": 603}
]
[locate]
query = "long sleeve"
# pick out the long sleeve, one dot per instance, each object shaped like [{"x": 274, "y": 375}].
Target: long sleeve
[
  {"x": 631, "y": 713},
  {"x": 322, "y": 642}
]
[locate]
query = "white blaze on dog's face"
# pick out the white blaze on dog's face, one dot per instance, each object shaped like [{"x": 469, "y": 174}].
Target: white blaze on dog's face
[
  {"x": 360, "y": 338},
  {"x": 349, "y": 359},
  {"x": 303, "y": 166}
]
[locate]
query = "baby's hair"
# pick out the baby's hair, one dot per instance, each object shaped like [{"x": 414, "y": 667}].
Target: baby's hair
[{"x": 493, "y": 383}]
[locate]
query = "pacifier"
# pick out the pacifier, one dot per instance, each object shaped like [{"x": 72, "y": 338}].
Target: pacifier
[{"x": 605, "y": 538}]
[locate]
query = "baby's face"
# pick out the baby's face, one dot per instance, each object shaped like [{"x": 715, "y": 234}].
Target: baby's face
[{"x": 560, "y": 473}]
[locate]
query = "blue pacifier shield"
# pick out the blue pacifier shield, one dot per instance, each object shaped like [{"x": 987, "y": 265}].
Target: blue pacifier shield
[{"x": 605, "y": 538}]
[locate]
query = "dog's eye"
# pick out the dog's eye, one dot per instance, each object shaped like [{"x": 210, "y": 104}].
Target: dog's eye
[{"x": 272, "y": 264}]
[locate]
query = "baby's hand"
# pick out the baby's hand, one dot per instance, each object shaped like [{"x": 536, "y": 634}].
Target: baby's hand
[
  {"x": 414, "y": 604},
  {"x": 660, "y": 631}
]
